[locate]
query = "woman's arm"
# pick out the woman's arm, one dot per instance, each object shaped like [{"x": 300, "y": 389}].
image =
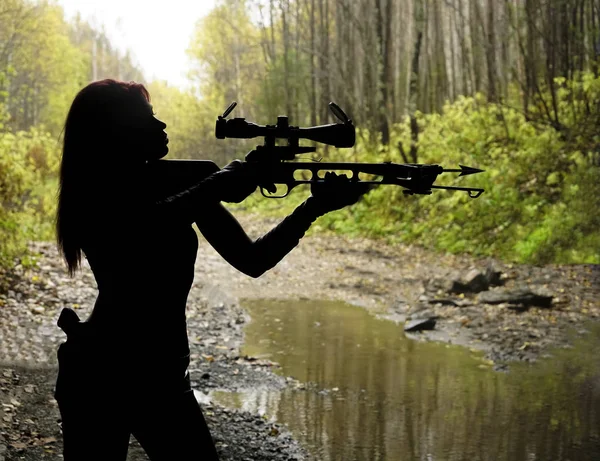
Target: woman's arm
[
  {"x": 225, "y": 234},
  {"x": 233, "y": 184},
  {"x": 254, "y": 258}
]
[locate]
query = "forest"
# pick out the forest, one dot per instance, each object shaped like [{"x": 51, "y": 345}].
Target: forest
[{"x": 511, "y": 87}]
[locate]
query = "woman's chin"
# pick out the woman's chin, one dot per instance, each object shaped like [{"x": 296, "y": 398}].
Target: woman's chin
[{"x": 158, "y": 154}]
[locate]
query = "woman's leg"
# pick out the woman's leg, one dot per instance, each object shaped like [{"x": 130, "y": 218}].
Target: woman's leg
[
  {"x": 173, "y": 428},
  {"x": 92, "y": 431},
  {"x": 95, "y": 422}
]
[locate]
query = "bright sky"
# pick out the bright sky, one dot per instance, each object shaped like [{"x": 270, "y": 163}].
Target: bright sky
[{"x": 157, "y": 32}]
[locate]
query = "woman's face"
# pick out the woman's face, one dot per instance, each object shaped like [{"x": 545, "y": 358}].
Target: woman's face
[{"x": 144, "y": 133}]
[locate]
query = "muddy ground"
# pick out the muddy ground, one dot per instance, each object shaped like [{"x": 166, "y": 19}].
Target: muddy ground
[{"x": 394, "y": 282}]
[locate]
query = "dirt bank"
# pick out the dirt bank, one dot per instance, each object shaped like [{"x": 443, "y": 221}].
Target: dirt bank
[{"x": 395, "y": 282}]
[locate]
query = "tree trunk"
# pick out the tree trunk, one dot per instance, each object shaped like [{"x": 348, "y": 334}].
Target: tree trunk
[
  {"x": 383, "y": 44},
  {"x": 284, "y": 5},
  {"x": 313, "y": 75},
  {"x": 491, "y": 53}
]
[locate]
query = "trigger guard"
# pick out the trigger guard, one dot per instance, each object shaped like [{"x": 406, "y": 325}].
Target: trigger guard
[{"x": 263, "y": 191}]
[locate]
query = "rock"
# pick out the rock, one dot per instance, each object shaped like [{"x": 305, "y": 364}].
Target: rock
[
  {"x": 436, "y": 285},
  {"x": 427, "y": 323},
  {"x": 474, "y": 282},
  {"x": 493, "y": 277},
  {"x": 444, "y": 302},
  {"x": 400, "y": 304},
  {"x": 463, "y": 302},
  {"x": 519, "y": 296},
  {"x": 38, "y": 310},
  {"x": 421, "y": 311}
]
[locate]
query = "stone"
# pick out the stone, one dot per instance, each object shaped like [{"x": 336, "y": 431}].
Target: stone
[
  {"x": 38, "y": 310},
  {"x": 427, "y": 323},
  {"x": 493, "y": 277},
  {"x": 436, "y": 285},
  {"x": 474, "y": 282},
  {"x": 444, "y": 301},
  {"x": 520, "y": 296}
]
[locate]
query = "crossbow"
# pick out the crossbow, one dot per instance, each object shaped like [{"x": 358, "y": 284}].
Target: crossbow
[{"x": 281, "y": 169}]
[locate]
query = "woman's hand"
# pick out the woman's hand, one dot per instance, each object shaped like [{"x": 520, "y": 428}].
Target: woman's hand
[
  {"x": 336, "y": 192},
  {"x": 237, "y": 181}
]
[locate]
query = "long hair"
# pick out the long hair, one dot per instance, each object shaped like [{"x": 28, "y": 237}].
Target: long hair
[{"x": 94, "y": 129}]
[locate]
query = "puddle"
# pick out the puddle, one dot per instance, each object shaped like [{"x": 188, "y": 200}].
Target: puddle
[{"x": 382, "y": 396}]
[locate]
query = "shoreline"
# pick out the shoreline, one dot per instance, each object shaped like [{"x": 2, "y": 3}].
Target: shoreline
[
  {"x": 400, "y": 283},
  {"x": 389, "y": 282}
]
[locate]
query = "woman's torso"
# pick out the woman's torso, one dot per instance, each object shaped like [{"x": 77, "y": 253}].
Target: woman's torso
[{"x": 144, "y": 272}]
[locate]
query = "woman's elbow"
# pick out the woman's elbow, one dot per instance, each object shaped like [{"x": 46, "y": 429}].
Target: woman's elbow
[
  {"x": 254, "y": 272},
  {"x": 250, "y": 267},
  {"x": 253, "y": 263}
]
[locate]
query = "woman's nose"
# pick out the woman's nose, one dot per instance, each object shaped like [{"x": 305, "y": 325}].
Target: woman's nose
[{"x": 162, "y": 125}]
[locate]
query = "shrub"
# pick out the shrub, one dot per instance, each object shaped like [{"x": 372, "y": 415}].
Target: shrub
[{"x": 28, "y": 166}]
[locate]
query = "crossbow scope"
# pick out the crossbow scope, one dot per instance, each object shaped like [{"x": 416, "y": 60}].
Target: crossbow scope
[{"x": 334, "y": 134}]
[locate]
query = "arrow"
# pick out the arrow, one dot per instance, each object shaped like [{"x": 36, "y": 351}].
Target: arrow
[
  {"x": 464, "y": 170},
  {"x": 473, "y": 192}
]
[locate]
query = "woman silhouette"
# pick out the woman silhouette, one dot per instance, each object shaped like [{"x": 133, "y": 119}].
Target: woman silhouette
[{"x": 124, "y": 370}]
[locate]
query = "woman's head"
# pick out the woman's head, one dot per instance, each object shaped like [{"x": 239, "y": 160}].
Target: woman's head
[
  {"x": 109, "y": 118},
  {"x": 110, "y": 130}
]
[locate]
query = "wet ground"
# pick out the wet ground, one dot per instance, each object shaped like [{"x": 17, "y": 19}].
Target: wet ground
[
  {"x": 379, "y": 395},
  {"x": 389, "y": 282},
  {"x": 400, "y": 282}
]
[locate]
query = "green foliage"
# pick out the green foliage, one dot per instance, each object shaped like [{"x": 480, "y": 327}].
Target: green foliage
[
  {"x": 542, "y": 194},
  {"x": 541, "y": 161},
  {"x": 189, "y": 124},
  {"x": 28, "y": 165},
  {"x": 45, "y": 68},
  {"x": 542, "y": 189},
  {"x": 44, "y": 62}
]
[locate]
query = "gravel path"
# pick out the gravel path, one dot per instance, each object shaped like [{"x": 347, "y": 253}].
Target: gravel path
[
  {"x": 29, "y": 417},
  {"x": 391, "y": 282}
]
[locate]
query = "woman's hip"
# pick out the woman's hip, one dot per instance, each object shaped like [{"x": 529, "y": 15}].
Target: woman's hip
[{"x": 92, "y": 363}]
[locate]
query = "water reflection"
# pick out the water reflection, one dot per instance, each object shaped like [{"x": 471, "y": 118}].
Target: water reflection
[{"x": 391, "y": 398}]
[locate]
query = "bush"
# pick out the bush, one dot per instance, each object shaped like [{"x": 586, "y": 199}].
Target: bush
[
  {"x": 542, "y": 188},
  {"x": 28, "y": 166}
]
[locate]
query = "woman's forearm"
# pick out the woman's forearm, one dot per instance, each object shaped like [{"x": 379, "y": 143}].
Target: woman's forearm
[
  {"x": 268, "y": 250},
  {"x": 254, "y": 257}
]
